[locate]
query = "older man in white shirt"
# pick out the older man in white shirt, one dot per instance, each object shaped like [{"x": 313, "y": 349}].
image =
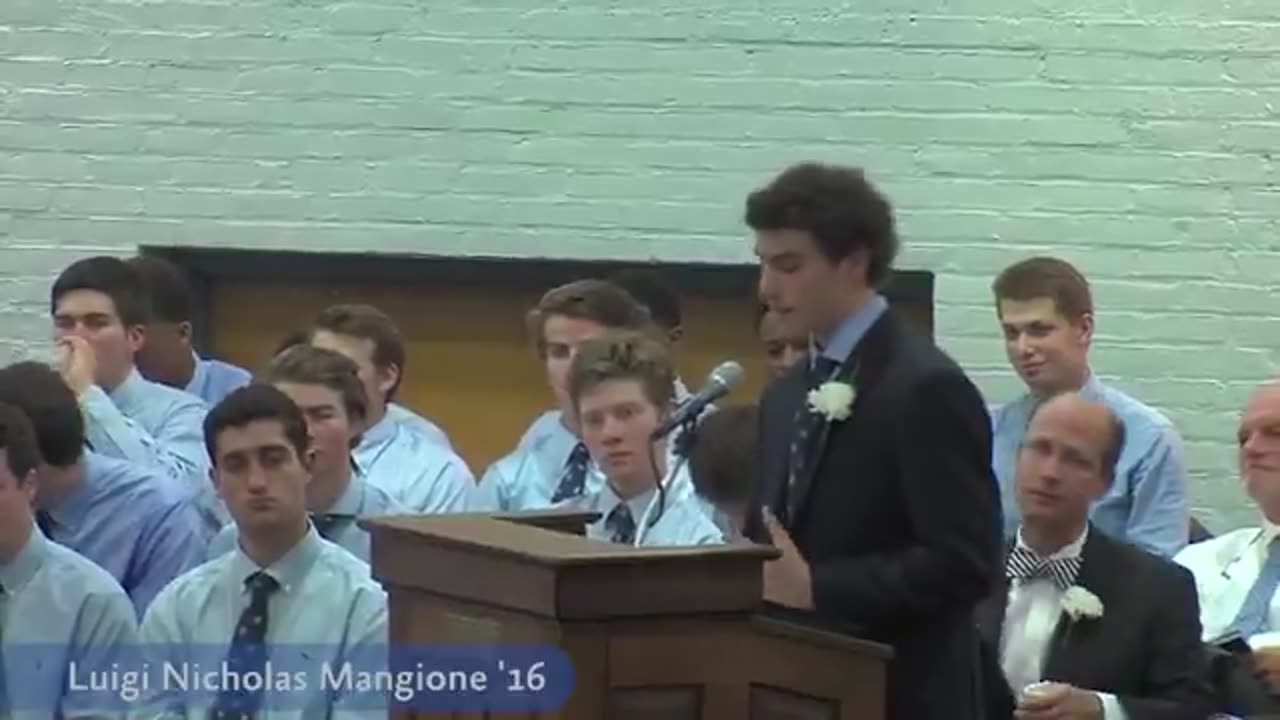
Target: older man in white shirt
[{"x": 1238, "y": 573}]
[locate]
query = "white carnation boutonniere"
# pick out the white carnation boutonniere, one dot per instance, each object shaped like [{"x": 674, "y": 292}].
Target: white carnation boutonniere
[
  {"x": 1080, "y": 603},
  {"x": 833, "y": 400}
]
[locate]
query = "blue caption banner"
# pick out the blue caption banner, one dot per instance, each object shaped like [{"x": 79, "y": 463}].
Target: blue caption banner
[{"x": 428, "y": 678}]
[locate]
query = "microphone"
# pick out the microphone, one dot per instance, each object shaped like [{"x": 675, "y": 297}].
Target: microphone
[{"x": 719, "y": 383}]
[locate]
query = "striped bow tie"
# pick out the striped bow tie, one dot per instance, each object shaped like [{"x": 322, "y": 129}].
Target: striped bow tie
[{"x": 1024, "y": 564}]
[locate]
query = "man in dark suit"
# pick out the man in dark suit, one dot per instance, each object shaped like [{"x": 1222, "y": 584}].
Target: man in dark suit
[
  {"x": 876, "y": 450},
  {"x": 1086, "y": 627}
]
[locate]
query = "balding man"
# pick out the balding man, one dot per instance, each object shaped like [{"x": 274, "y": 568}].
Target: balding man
[
  {"x": 1238, "y": 573},
  {"x": 1086, "y": 626}
]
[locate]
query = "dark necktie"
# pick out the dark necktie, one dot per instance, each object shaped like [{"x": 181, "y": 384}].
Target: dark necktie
[
  {"x": 328, "y": 525},
  {"x": 806, "y": 423},
  {"x": 44, "y": 521},
  {"x": 574, "y": 480},
  {"x": 621, "y": 524},
  {"x": 1024, "y": 564},
  {"x": 248, "y": 652}
]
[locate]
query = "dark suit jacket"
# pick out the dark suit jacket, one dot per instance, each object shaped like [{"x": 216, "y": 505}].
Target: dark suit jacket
[
  {"x": 1145, "y": 649},
  {"x": 899, "y": 516}
]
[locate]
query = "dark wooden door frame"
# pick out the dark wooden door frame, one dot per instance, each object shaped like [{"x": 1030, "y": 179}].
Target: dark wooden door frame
[{"x": 207, "y": 267}]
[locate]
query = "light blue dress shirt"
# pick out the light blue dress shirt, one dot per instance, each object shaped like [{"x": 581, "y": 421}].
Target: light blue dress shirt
[
  {"x": 135, "y": 523},
  {"x": 548, "y": 423},
  {"x": 359, "y": 500},
  {"x": 59, "y": 609},
  {"x": 415, "y": 422},
  {"x": 851, "y": 330},
  {"x": 157, "y": 426},
  {"x": 527, "y": 478},
  {"x": 214, "y": 379},
  {"x": 1147, "y": 503},
  {"x": 328, "y": 606},
  {"x": 681, "y": 522},
  {"x": 420, "y": 474}
]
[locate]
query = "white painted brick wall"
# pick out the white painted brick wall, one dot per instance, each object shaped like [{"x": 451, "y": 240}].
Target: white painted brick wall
[{"x": 1133, "y": 137}]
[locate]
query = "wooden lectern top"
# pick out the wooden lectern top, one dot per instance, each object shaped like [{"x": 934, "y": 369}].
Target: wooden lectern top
[
  {"x": 517, "y": 562},
  {"x": 532, "y": 536}
]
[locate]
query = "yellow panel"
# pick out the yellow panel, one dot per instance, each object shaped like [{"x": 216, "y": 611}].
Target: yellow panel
[{"x": 470, "y": 366}]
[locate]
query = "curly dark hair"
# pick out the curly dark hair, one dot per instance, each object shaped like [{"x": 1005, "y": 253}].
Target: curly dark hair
[{"x": 836, "y": 205}]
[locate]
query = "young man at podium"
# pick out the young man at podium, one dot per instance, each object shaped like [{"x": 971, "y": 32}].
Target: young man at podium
[
  {"x": 875, "y": 450},
  {"x": 621, "y": 386}
]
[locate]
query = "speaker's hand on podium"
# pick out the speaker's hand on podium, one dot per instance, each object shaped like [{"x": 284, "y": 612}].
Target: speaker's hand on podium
[{"x": 787, "y": 581}]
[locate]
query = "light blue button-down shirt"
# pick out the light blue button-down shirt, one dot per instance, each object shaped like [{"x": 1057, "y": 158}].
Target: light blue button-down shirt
[
  {"x": 359, "y": 500},
  {"x": 851, "y": 330},
  {"x": 548, "y": 423},
  {"x": 327, "y": 603},
  {"x": 415, "y": 422},
  {"x": 59, "y": 609},
  {"x": 157, "y": 426},
  {"x": 420, "y": 474},
  {"x": 214, "y": 379},
  {"x": 681, "y": 521},
  {"x": 527, "y": 478},
  {"x": 135, "y": 523},
  {"x": 1147, "y": 502}
]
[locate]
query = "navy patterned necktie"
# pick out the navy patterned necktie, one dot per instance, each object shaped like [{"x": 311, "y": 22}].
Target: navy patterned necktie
[
  {"x": 248, "y": 652},
  {"x": 573, "y": 483},
  {"x": 621, "y": 524},
  {"x": 44, "y": 521},
  {"x": 1024, "y": 564},
  {"x": 807, "y": 422}
]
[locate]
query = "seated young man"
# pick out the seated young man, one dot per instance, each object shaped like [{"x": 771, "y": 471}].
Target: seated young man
[
  {"x": 621, "y": 387},
  {"x": 100, "y": 311},
  {"x": 56, "y": 606},
  {"x": 167, "y": 355},
  {"x": 723, "y": 465},
  {"x": 133, "y": 521},
  {"x": 283, "y": 589},
  {"x": 326, "y": 387},
  {"x": 550, "y": 463},
  {"x": 1086, "y": 626},
  {"x": 781, "y": 350},
  {"x": 402, "y": 453}
]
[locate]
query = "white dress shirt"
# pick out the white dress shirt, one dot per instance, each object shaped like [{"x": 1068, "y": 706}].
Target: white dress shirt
[
  {"x": 1225, "y": 568},
  {"x": 1031, "y": 616}
]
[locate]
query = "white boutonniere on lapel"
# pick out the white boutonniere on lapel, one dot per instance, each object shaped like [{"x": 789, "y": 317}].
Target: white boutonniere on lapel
[
  {"x": 1078, "y": 603},
  {"x": 833, "y": 400}
]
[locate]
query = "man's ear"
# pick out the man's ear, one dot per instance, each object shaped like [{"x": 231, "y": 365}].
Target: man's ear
[
  {"x": 217, "y": 486},
  {"x": 28, "y": 485},
  {"x": 856, "y": 263},
  {"x": 388, "y": 378},
  {"x": 308, "y": 458},
  {"x": 136, "y": 336},
  {"x": 675, "y": 334},
  {"x": 1084, "y": 329},
  {"x": 184, "y": 331}
]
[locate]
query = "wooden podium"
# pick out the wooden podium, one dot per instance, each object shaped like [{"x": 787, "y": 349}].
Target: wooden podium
[{"x": 653, "y": 633}]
